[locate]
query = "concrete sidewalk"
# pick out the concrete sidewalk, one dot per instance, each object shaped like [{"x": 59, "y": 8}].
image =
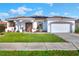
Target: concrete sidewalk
[{"x": 37, "y": 46}]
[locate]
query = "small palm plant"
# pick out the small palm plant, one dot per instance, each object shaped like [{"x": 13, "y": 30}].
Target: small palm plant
[
  {"x": 77, "y": 30},
  {"x": 40, "y": 27}
]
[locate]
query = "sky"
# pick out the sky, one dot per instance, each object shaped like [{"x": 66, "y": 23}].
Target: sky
[{"x": 8, "y": 10}]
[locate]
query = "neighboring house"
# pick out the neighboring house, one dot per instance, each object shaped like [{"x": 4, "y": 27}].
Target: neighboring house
[
  {"x": 2, "y": 22},
  {"x": 2, "y": 26},
  {"x": 77, "y": 23},
  {"x": 55, "y": 24}
]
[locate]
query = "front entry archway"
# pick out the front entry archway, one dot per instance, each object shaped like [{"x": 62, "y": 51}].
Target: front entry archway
[{"x": 28, "y": 27}]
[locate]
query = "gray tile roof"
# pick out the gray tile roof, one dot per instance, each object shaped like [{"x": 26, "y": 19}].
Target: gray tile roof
[{"x": 40, "y": 17}]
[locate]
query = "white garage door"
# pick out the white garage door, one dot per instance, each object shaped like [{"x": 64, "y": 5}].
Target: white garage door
[{"x": 60, "y": 28}]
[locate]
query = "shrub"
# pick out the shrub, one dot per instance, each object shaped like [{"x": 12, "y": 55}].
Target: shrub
[
  {"x": 1, "y": 33},
  {"x": 77, "y": 30},
  {"x": 2, "y": 27}
]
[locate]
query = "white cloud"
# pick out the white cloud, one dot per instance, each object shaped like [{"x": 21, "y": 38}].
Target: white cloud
[
  {"x": 38, "y": 13},
  {"x": 39, "y": 8},
  {"x": 70, "y": 15},
  {"x": 50, "y": 4},
  {"x": 4, "y": 15},
  {"x": 53, "y": 14},
  {"x": 66, "y": 13},
  {"x": 77, "y": 17},
  {"x": 21, "y": 10},
  {"x": 13, "y": 11}
]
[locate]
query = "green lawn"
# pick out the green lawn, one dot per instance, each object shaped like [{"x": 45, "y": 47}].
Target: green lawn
[
  {"x": 28, "y": 37},
  {"x": 40, "y": 53}
]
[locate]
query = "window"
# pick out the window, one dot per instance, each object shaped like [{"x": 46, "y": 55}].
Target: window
[{"x": 12, "y": 24}]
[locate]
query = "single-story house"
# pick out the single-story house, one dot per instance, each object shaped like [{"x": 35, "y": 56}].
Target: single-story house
[
  {"x": 2, "y": 22},
  {"x": 55, "y": 24}
]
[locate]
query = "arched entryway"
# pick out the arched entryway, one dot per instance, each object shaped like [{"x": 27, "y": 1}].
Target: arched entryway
[{"x": 28, "y": 27}]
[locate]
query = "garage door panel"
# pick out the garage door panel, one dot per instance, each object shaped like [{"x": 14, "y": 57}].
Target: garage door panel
[{"x": 60, "y": 28}]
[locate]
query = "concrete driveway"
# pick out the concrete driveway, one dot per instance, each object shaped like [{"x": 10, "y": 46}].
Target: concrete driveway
[{"x": 70, "y": 37}]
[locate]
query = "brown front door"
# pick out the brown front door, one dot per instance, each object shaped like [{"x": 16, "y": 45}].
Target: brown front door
[{"x": 28, "y": 27}]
